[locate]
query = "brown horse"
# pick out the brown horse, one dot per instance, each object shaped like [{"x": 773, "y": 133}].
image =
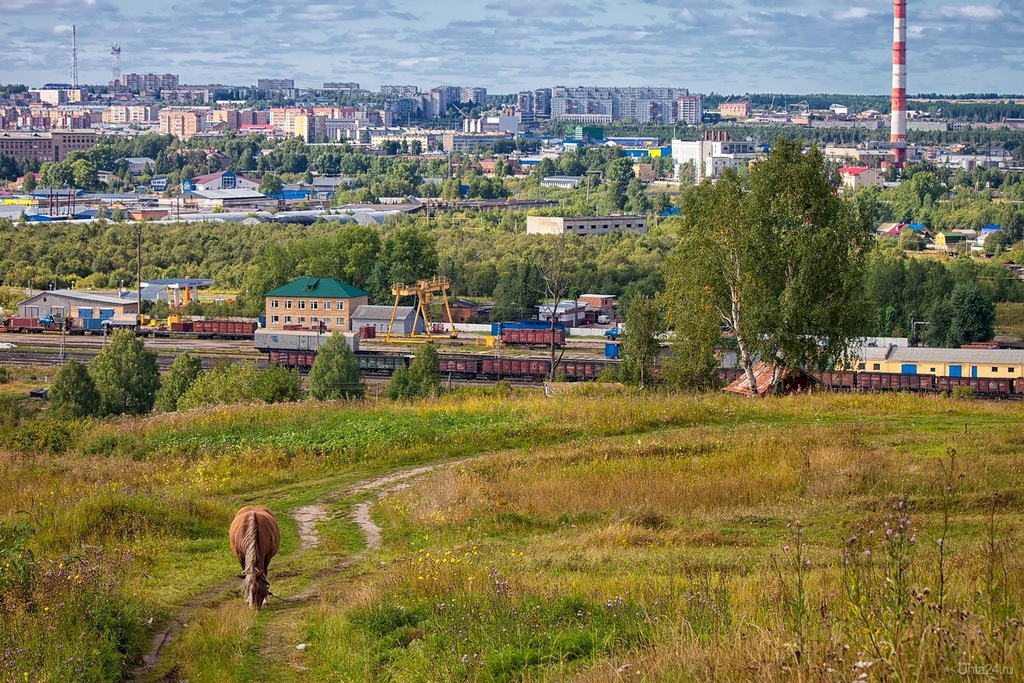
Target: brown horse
[{"x": 255, "y": 539}]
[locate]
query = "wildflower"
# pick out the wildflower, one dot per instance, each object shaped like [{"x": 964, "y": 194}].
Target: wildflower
[
  {"x": 867, "y": 553},
  {"x": 785, "y": 548}
]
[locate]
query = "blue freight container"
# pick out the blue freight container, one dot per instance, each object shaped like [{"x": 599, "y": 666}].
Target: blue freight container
[{"x": 611, "y": 350}]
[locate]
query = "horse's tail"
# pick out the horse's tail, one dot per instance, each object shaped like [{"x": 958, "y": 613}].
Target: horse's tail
[
  {"x": 250, "y": 547},
  {"x": 250, "y": 543}
]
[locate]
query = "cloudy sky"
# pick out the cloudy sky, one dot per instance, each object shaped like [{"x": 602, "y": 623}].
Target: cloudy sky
[{"x": 727, "y": 46}]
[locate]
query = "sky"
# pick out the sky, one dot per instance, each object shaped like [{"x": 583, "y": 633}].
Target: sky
[{"x": 724, "y": 46}]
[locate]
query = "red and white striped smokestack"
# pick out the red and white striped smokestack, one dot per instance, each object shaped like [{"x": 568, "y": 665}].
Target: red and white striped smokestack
[{"x": 899, "y": 82}]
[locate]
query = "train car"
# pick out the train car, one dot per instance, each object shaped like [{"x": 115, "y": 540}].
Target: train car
[
  {"x": 44, "y": 324},
  {"x": 894, "y": 381},
  {"x": 532, "y": 337},
  {"x": 381, "y": 363},
  {"x": 465, "y": 367},
  {"x": 224, "y": 329},
  {"x": 981, "y": 386},
  {"x": 581, "y": 370},
  {"x": 834, "y": 380}
]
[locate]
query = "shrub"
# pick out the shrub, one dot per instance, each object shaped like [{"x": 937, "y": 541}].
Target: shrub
[
  {"x": 126, "y": 375},
  {"x": 242, "y": 383},
  {"x": 73, "y": 392},
  {"x": 422, "y": 378},
  {"x": 335, "y": 372},
  {"x": 962, "y": 392},
  {"x": 183, "y": 373}
]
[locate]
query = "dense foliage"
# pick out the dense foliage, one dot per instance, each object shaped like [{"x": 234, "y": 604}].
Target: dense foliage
[
  {"x": 335, "y": 372},
  {"x": 126, "y": 375}
]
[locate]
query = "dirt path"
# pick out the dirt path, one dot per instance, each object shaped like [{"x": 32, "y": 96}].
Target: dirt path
[{"x": 307, "y": 518}]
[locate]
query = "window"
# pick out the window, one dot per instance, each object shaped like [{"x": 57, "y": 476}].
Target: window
[
  {"x": 302, "y": 319},
  {"x": 932, "y": 370},
  {"x": 341, "y": 305},
  {"x": 878, "y": 366},
  {"x": 313, "y": 305},
  {"x": 1009, "y": 369},
  {"x": 302, "y": 304},
  {"x": 327, "y": 305},
  {"x": 274, "y": 303},
  {"x": 275, "y": 319},
  {"x": 287, "y": 320},
  {"x": 314, "y": 319},
  {"x": 339, "y": 321},
  {"x": 288, "y": 304},
  {"x": 861, "y": 366},
  {"x": 995, "y": 369}
]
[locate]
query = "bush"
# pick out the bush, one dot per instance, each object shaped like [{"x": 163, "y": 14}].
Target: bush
[
  {"x": 73, "y": 392},
  {"x": 183, "y": 373},
  {"x": 242, "y": 383},
  {"x": 962, "y": 392},
  {"x": 5, "y": 376},
  {"x": 126, "y": 375},
  {"x": 421, "y": 380},
  {"x": 335, "y": 372}
]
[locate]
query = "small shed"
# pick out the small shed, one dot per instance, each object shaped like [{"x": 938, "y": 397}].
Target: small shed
[
  {"x": 379, "y": 317},
  {"x": 463, "y": 310},
  {"x": 792, "y": 381}
]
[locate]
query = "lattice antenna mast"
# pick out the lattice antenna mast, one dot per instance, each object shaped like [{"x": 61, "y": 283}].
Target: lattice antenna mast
[
  {"x": 115, "y": 55},
  {"x": 74, "y": 56}
]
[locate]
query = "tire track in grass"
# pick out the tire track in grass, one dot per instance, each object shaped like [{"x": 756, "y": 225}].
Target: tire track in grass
[{"x": 307, "y": 518}]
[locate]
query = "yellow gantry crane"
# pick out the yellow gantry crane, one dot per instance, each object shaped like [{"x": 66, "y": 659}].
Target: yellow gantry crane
[{"x": 424, "y": 291}]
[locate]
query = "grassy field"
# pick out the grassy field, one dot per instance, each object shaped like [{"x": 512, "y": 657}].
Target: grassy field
[{"x": 581, "y": 538}]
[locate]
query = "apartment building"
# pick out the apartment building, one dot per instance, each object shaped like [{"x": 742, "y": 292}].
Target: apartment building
[
  {"x": 136, "y": 113},
  {"x": 54, "y": 145},
  {"x": 144, "y": 82},
  {"x": 182, "y": 123},
  {"x": 690, "y": 110}
]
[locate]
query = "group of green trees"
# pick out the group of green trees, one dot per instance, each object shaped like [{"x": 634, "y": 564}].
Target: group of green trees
[
  {"x": 124, "y": 378},
  {"x": 935, "y": 302}
]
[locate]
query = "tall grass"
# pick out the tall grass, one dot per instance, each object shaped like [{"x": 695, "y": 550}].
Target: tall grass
[{"x": 600, "y": 532}]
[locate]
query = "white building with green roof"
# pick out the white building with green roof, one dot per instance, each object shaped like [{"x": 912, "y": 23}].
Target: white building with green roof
[{"x": 312, "y": 303}]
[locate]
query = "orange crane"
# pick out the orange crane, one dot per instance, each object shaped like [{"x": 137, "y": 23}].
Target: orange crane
[{"x": 424, "y": 291}]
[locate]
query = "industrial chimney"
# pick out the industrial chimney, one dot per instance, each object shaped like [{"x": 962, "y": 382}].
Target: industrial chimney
[{"x": 899, "y": 83}]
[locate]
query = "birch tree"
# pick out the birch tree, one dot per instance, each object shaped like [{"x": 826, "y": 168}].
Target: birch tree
[{"x": 778, "y": 265}]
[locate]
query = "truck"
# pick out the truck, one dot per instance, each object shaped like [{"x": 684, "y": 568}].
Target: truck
[{"x": 616, "y": 332}]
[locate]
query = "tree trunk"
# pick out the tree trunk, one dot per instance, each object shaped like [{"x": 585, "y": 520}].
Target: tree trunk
[{"x": 745, "y": 360}]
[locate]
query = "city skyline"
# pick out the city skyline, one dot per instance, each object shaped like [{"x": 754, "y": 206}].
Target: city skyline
[{"x": 736, "y": 46}]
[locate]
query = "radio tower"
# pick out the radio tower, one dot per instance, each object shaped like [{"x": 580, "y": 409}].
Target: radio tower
[
  {"x": 899, "y": 83},
  {"x": 74, "y": 57},
  {"x": 115, "y": 54}
]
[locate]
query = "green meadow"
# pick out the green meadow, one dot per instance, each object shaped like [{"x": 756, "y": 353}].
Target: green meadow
[{"x": 590, "y": 537}]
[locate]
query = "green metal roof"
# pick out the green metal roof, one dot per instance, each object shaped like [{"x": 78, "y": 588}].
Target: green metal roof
[{"x": 317, "y": 287}]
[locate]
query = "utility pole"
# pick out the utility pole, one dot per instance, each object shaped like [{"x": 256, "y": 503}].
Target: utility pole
[{"x": 138, "y": 270}]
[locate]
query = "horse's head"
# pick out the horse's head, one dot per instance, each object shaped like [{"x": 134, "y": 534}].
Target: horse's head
[{"x": 256, "y": 589}]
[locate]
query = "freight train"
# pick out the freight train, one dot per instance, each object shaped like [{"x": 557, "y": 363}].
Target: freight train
[
  {"x": 171, "y": 327},
  {"x": 458, "y": 366},
  {"x": 861, "y": 381}
]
